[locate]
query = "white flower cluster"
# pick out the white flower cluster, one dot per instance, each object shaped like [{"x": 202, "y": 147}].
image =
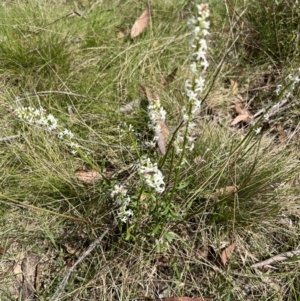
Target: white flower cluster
[
  {"x": 125, "y": 128},
  {"x": 119, "y": 194},
  {"x": 156, "y": 113},
  {"x": 198, "y": 67},
  {"x": 35, "y": 116},
  {"x": 152, "y": 175},
  {"x": 292, "y": 81}
]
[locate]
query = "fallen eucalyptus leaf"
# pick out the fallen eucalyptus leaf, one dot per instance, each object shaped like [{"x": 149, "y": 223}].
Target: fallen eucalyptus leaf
[
  {"x": 88, "y": 176},
  {"x": 187, "y": 299},
  {"x": 162, "y": 137},
  {"x": 140, "y": 24},
  {"x": 227, "y": 252},
  {"x": 244, "y": 114}
]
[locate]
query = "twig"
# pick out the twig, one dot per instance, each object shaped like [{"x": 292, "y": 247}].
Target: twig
[
  {"x": 64, "y": 282},
  {"x": 73, "y": 13},
  {"x": 277, "y": 107},
  {"x": 3, "y": 139},
  {"x": 279, "y": 257},
  {"x": 23, "y": 96}
]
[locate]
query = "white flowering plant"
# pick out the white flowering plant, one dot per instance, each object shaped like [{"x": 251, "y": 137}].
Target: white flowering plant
[
  {"x": 166, "y": 174},
  {"x": 39, "y": 117},
  {"x": 194, "y": 87}
]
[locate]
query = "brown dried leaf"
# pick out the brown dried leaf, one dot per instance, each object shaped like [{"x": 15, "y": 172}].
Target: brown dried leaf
[
  {"x": 140, "y": 24},
  {"x": 148, "y": 93},
  {"x": 244, "y": 114},
  {"x": 234, "y": 87},
  {"x": 239, "y": 118},
  {"x": 169, "y": 78},
  {"x": 227, "y": 190},
  {"x": 187, "y": 299},
  {"x": 239, "y": 108},
  {"x": 203, "y": 252},
  {"x": 162, "y": 137},
  {"x": 72, "y": 249},
  {"x": 88, "y": 176},
  {"x": 227, "y": 252}
]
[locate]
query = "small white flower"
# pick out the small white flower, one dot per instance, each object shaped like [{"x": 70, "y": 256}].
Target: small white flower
[
  {"x": 203, "y": 44},
  {"x": 257, "y": 130},
  {"x": 187, "y": 85},
  {"x": 197, "y": 29},
  {"x": 200, "y": 54},
  {"x": 123, "y": 218},
  {"x": 278, "y": 89},
  {"x": 192, "y": 95},
  {"x": 129, "y": 212},
  {"x": 199, "y": 83},
  {"x": 193, "y": 67},
  {"x": 191, "y": 21},
  {"x": 204, "y": 63},
  {"x": 68, "y": 133},
  {"x": 191, "y": 147},
  {"x": 185, "y": 117},
  {"x": 151, "y": 144}
]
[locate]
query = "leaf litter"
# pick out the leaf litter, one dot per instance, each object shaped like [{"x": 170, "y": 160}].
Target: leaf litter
[
  {"x": 140, "y": 24},
  {"x": 227, "y": 253},
  {"x": 88, "y": 176}
]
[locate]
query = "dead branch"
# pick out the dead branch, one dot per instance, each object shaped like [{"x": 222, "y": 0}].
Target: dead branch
[
  {"x": 61, "y": 288},
  {"x": 4, "y": 139},
  {"x": 276, "y": 108},
  {"x": 279, "y": 257}
]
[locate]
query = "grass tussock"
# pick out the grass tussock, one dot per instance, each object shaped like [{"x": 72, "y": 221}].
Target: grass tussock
[{"x": 81, "y": 104}]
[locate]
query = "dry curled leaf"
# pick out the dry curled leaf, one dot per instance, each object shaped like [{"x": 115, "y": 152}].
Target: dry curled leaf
[
  {"x": 203, "y": 252},
  {"x": 140, "y": 24},
  {"x": 244, "y": 114},
  {"x": 227, "y": 190},
  {"x": 162, "y": 137},
  {"x": 234, "y": 87},
  {"x": 239, "y": 108},
  {"x": 87, "y": 176},
  {"x": 224, "y": 191},
  {"x": 149, "y": 95},
  {"x": 187, "y": 299},
  {"x": 227, "y": 252}
]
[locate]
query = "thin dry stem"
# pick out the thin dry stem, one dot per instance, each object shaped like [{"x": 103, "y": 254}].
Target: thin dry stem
[
  {"x": 61, "y": 288},
  {"x": 279, "y": 257}
]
